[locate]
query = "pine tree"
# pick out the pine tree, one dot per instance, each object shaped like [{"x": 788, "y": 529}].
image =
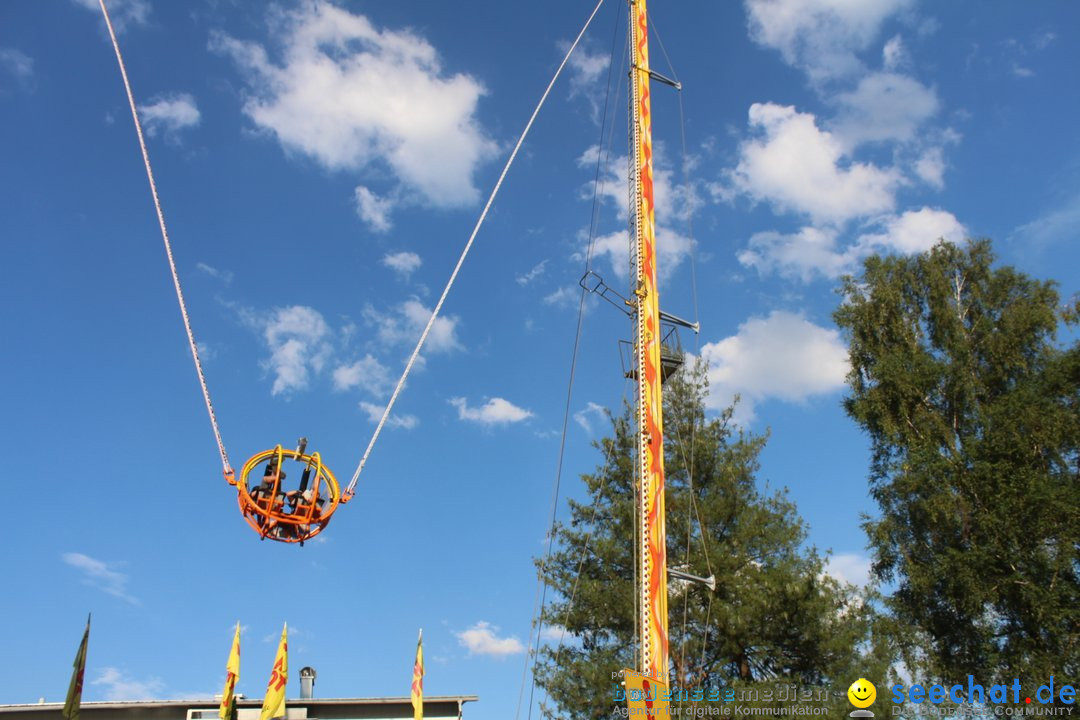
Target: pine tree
[{"x": 774, "y": 616}]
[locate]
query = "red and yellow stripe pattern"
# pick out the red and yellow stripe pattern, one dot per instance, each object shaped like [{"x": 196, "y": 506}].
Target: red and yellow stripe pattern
[{"x": 653, "y": 553}]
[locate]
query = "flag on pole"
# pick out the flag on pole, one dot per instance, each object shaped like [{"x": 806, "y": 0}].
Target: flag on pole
[
  {"x": 227, "y": 711},
  {"x": 418, "y": 680},
  {"x": 74, "y": 693},
  {"x": 274, "y": 703}
]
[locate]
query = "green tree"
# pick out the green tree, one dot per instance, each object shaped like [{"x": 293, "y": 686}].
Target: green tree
[
  {"x": 774, "y": 616},
  {"x": 973, "y": 412}
]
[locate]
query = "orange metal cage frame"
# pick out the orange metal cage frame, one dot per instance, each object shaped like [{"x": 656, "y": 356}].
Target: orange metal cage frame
[{"x": 279, "y": 517}]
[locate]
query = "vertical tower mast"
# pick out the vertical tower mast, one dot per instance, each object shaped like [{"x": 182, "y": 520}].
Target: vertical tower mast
[{"x": 652, "y": 551}]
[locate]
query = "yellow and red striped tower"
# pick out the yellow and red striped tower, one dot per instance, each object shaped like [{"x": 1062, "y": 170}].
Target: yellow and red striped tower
[{"x": 652, "y": 551}]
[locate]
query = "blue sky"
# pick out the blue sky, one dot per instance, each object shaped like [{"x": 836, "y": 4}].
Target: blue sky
[{"x": 321, "y": 166}]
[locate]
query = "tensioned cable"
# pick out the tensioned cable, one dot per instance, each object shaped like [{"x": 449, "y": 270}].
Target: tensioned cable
[
  {"x": 540, "y": 601},
  {"x": 168, "y": 246},
  {"x": 461, "y": 260}
]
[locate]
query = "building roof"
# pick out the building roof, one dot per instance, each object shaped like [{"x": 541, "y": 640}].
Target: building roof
[{"x": 436, "y": 707}]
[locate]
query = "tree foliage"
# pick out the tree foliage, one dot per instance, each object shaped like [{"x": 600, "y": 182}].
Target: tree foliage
[
  {"x": 973, "y": 413},
  {"x": 774, "y": 615}
]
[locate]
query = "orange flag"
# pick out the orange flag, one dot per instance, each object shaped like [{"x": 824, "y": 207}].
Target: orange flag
[
  {"x": 74, "y": 694},
  {"x": 274, "y": 702},
  {"x": 227, "y": 711},
  {"x": 418, "y": 680}
]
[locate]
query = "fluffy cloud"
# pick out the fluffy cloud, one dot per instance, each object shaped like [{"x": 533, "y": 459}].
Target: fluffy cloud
[
  {"x": 930, "y": 167},
  {"x": 318, "y": 100},
  {"x": 782, "y": 356},
  {"x": 170, "y": 114},
  {"x": 884, "y": 106},
  {"x": 100, "y": 575},
  {"x": 367, "y": 373},
  {"x": 564, "y": 297},
  {"x": 585, "y": 69},
  {"x": 814, "y": 251},
  {"x": 374, "y": 413},
  {"x": 403, "y": 263},
  {"x": 404, "y": 324},
  {"x": 820, "y": 37},
  {"x": 481, "y": 639},
  {"x": 915, "y": 231},
  {"x": 374, "y": 210},
  {"x": 495, "y": 411},
  {"x": 810, "y": 251},
  {"x": 797, "y": 167},
  {"x": 298, "y": 340},
  {"x": 894, "y": 56},
  {"x": 585, "y": 78}
]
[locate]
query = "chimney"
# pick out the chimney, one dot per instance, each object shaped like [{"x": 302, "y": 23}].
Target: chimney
[{"x": 307, "y": 682}]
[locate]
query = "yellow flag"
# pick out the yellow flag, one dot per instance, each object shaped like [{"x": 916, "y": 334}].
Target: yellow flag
[
  {"x": 74, "y": 694},
  {"x": 227, "y": 711},
  {"x": 274, "y": 702},
  {"x": 418, "y": 680}
]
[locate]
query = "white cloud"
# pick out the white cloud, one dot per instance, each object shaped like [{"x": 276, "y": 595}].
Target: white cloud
[
  {"x": 894, "y": 56},
  {"x": 403, "y": 263},
  {"x": 404, "y": 324},
  {"x": 849, "y": 568},
  {"x": 297, "y": 338},
  {"x": 815, "y": 251},
  {"x": 930, "y": 167},
  {"x": 782, "y": 356},
  {"x": 374, "y": 413},
  {"x": 581, "y": 417},
  {"x": 17, "y": 64},
  {"x": 537, "y": 271},
  {"x": 555, "y": 633},
  {"x": 585, "y": 69},
  {"x": 101, "y": 575},
  {"x": 367, "y": 373},
  {"x": 224, "y": 276},
  {"x": 495, "y": 411},
  {"x": 797, "y": 167},
  {"x": 121, "y": 12},
  {"x": 564, "y": 297},
  {"x": 121, "y": 686},
  {"x": 809, "y": 252},
  {"x": 481, "y": 639},
  {"x": 585, "y": 78},
  {"x": 884, "y": 106},
  {"x": 820, "y": 37},
  {"x": 1061, "y": 224},
  {"x": 915, "y": 231},
  {"x": 374, "y": 210},
  {"x": 351, "y": 95},
  {"x": 170, "y": 114}
]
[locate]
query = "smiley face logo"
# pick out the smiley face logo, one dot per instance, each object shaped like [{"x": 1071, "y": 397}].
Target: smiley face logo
[{"x": 862, "y": 693}]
